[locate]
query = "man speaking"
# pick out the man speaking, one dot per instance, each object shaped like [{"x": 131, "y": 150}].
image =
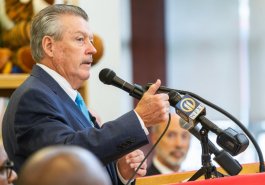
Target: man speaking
[{"x": 48, "y": 110}]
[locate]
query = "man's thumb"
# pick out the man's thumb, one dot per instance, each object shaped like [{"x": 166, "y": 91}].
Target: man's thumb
[{"x": 153, "y": 88}]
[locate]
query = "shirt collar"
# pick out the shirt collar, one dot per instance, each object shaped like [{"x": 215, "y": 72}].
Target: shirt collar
[
  {"x": 162, "y": 168},
  {"x": 61, "y": 81}
]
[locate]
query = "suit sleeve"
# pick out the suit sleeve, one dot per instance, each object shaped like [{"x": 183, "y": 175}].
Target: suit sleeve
[{"x": 42, "y": 119}]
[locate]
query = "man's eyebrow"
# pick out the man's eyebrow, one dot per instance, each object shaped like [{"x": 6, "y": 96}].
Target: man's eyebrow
[
  {"x": 90, "y": 36},
  {"x": 80, "y": 32}
]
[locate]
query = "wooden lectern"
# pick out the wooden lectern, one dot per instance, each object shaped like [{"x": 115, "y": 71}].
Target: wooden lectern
[{"x": 248, "y": 174}]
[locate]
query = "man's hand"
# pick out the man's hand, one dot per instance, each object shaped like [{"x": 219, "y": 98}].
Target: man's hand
[
  {"x": 130, "y": 162},
  {"x": 153, "y": 108}
]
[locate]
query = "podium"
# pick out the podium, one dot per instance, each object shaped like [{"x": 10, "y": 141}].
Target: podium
[
  {"x": 249, "y": 179},
  {"x": 248, "y": 176}
]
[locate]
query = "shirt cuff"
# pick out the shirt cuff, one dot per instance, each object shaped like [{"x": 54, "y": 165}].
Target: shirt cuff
[
  {"x": 120, "y": 177},
  {"x": 142, "y": 123}
]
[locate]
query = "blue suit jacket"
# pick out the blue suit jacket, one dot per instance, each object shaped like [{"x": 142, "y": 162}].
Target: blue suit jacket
[{"x": 40, "y": 113}]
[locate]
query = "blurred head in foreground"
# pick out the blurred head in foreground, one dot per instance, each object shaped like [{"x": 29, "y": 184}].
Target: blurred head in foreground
[{"x": 63, "y": 165}]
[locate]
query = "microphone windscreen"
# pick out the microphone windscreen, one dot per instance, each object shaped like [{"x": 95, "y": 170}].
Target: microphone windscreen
[{"x": 106, "y": 76}]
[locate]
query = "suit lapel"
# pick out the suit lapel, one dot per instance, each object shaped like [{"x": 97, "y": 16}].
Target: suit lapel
[{"x": 43, "y": 76}]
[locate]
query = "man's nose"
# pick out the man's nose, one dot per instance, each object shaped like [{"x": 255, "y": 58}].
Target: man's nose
[
  {"x": 179, "y": 141},
  {"x": 91, "y": 48}
]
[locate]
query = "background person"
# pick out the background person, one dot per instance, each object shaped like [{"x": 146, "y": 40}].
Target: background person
[
  {"x": 172, "y": 148},
  {"x": 47, "y": 109},
  {"x": 7, "y": 174}
]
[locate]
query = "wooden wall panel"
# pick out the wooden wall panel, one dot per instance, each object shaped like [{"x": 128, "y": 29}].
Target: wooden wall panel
[{"x": 148, "y": 41}]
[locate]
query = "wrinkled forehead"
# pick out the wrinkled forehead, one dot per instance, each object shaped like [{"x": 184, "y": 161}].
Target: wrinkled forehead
[{"x": 74, "y": 24}]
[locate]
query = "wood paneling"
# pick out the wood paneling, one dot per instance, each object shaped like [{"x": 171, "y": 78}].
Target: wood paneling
[{"x": 148, "y": 41}]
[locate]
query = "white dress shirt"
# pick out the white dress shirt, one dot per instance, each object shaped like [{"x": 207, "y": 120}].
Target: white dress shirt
[{"x": 162, "y": 168}]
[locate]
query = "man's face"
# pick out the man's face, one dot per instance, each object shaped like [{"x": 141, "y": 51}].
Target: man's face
[
  {"x": 173, "y": 147},
  {"x": 72, "y": 55}
]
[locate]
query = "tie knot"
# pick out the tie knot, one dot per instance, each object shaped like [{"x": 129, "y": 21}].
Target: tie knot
[
  {"x": 79, "y": 100},
  {"x": 82, "y": 106}
]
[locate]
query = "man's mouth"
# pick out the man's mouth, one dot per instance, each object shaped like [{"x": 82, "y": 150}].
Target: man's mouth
[
  {"x": 87, "y": 62},
  {"x": 177, "y": 154}
]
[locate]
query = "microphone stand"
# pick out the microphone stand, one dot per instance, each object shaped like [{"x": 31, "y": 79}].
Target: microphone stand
[
  {"x": 207, "y": 169},
  {"x": 223, "y": 158}
]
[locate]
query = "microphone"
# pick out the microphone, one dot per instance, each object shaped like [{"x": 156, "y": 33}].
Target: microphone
[{"x": 109, "y": 77}]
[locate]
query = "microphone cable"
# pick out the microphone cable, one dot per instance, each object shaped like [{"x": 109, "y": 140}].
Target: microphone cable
[{"x": 150, "y": 151}]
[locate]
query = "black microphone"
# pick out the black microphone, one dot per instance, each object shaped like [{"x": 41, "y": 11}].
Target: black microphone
[{"x": 109, "y": 77}]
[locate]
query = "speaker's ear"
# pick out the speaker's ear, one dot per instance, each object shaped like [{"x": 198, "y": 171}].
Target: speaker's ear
[{"x": 47, "y": 45}]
